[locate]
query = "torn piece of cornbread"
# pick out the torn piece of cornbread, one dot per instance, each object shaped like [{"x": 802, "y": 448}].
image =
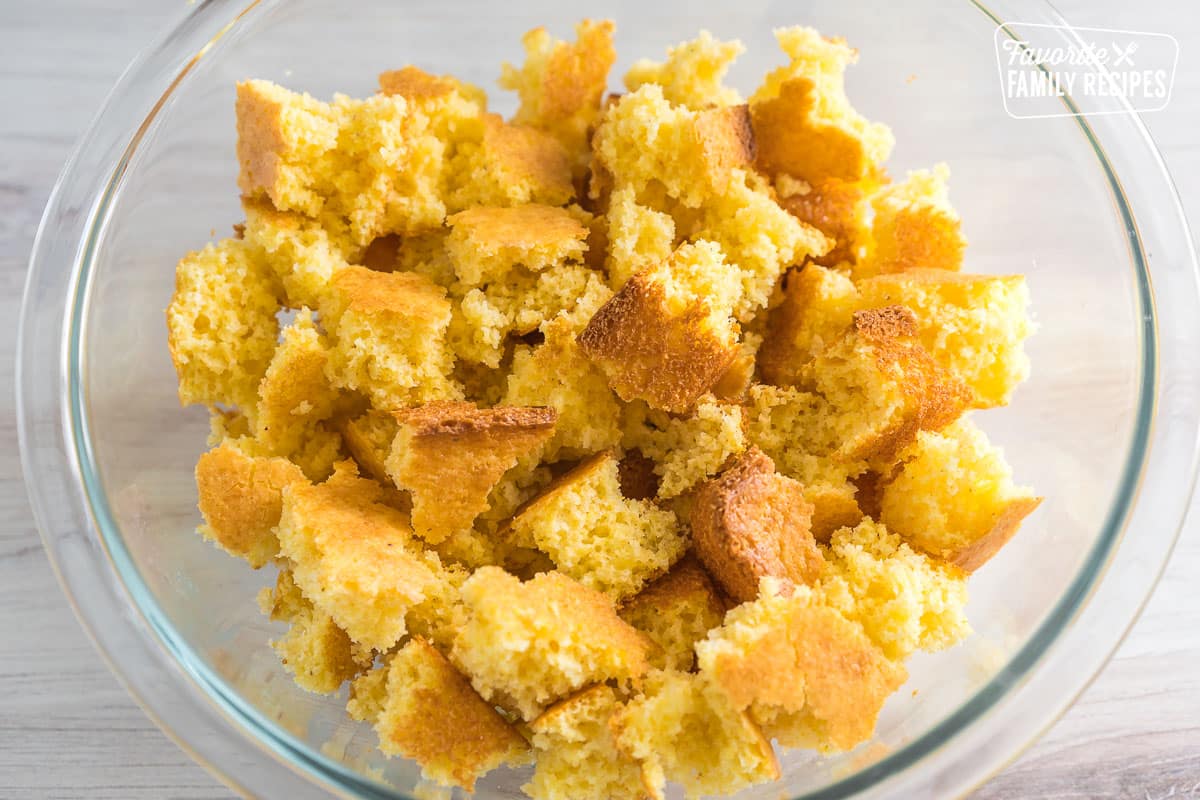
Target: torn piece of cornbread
[
  {"x": 484, "y": 319},
  {"x": 954, "y": 497},
  {"x": 302, "y": 252},
  {"x": 432, "y": 715},
  {"x": 485, "y": 243},
  {"x": 684, "y": 729},
  {"x": 388, "y": 332},
  {"x": 818, "y": 306},
  {"x": 804, "y": 124},
  {"x": 510, "y": 165},
  {"x": 904, "y": 600},
  {"x": 525, "y": 645},
  {"x": 751, "y": 523},
  {"x": 556, "y": 373},
  {"x": 576, "y": 756},
  {"x": 295, "y": 398},
  {"x": 598, "y": 536},
  {"x": 638, "y": 236},
  {"x": 315, "y": 650},
  {"x": 241, "y": 497},
  {"x": 643, "y": 139},
  {"x": 667, "y": 336},
  {"x": 758, "y": 236},
  {"x": 693, "y": 74},
  {"x": 368, "y": 692},
  {"x": 973, "y": 325},
  {"x": 561, "y": 84},
  {"x": 685, "y": 450},
  {"x": 369, "y": 438},
  {"x": 809, "y": 676},
  {"x": 221, "y": 326},
  {"x": 883, "y": 387},
  {"x": 353, "y": 556},
  {"x": 449, "y": 456},
  {"x": 914, "y": 226},
  {"x": 837, "y": 208},
  {"x": 676, "y": 611}
]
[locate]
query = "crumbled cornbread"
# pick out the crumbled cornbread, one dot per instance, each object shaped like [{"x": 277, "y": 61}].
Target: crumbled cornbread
[
  {"x": 752, "y": 523},
  {"x": 596, "y": 535},
  {"x": 526, "y": 645},
  {"x": 576, "y": 754},
  {"x": 450, "y": 456},
  {"x": 518, "y": 459},
  {"x": 432, "y": 715},
  {"x": 676, "y": 611},
  {"x": 684, "y": 729},
  {"x": 954, "y": 497}
]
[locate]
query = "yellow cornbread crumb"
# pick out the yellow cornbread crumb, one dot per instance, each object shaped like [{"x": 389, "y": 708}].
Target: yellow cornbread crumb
[
  {"x": 676, "y": 611},
  {"x": 693, "y": 73},
  {"x": 303, "y": 254},
  {"x": 685, "y": 451},
  {"x": 485, "y": 243},
  {"x": 914, "y": 226},
  {"x": 525, "y": 645},
  {"x": 596, "y": 535},
  {"x": 838, "y": 208},
  {"x": 954, "y": 497},
  {"x": 509, "y": 166},
  {"x": 638, "y": 236},
  {"x": 369, "y": 439},
  {"x": 221, "y": 326},
  {"x": 431, "y": 714},
  {"x": 684, "y": 729},
  {"x": 575, "y": 752},
  {"x": 818, "y": 305}
]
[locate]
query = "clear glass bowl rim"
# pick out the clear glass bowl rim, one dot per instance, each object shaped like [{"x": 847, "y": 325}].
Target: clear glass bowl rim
[{"x": 162, "y": 672}]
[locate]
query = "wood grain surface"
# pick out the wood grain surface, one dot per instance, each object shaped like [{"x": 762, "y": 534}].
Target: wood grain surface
[{"x": 67, "y": 730}]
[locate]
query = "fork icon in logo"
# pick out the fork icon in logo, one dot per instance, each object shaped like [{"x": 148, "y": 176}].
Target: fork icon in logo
[{"x": 1125, "y": 55}]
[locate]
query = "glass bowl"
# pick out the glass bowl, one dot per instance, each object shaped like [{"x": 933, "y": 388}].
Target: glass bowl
[{"x": 1106, "y": 428}]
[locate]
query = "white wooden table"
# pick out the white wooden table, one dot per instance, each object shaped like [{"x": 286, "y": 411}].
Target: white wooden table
[{"x": 67, "y": 730}]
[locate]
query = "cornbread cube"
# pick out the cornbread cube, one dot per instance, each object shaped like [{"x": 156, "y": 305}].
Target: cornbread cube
[
  {"x": 282, "y": 138},
  {"x": 484, "y": 318},
  {"x": 803, "y": 121},
  {"x": 388, "y": 333},
  {"x": 241, "y": 497},
  {"x": 221, "y": 326},
  {"x": 686, "y": 450},
  {"x": 525, "y": 645},
  {"x": 353, "y": 556},
  {"x": 837, "y": 208},
  {"x": 693, "y": 74},
  {"x": 596, "y": 535},
  {"x": 561, "y": 84},
  {"x": 914, "y": 226},
  {"x": 676, "y": 611},
  {"x": 684, "y": 729},
  {"x": 883, "y": 387},
  {"x": 486, "y": 243},
  {"x": 511, "y": 165},
  {"x": 638, "y": 236},
  {"x": 903, "y": 599},
  {"x": 302, "y": 253},
  {"x": 666, "y": 337},
  {"x": 433, "y": 716},
  {"x": 556, "y": 373},
  {"x": 425, "y": 254},
  {"x": 415, "y": 84},
  {"x": 954, "y": 497},
  {"x": 817, "y": 308},
  {"x": 757, "y": 235},
  {"x": 315, "y": 650},
  {"x": 450, "y": 456},
  {"x": 973, "y": 325},
  {"x": 294, "y": 399},
  {"x": 751, "y": 523},
  {"x": 576, "y": 756},
  {"x": 694, "y": 155},
  {"x": 369, "y": 438},
  {"x": 809, "y": 676},
  {"x": 368, "y": 693}
]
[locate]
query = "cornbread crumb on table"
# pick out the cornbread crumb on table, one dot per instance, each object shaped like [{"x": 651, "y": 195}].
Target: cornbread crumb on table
[
  {"x": 676, "y": 611},
  {"x": 576, "y": 755},
  {"x": 450, "y": 456},
  {"x": 596, "y": 535},
  {"x": 526, "y": 645},
  {"x": 431, "y": 714}
]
